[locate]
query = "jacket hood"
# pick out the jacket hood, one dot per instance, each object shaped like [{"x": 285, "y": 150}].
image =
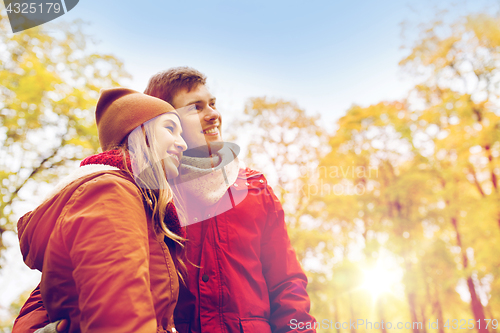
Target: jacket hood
[{"x": 35, "y": 227}]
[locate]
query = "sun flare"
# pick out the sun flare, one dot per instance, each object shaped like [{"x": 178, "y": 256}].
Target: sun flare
[{"x": 382, "y": 277}]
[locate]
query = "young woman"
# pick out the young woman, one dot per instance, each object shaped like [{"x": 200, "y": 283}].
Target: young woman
[{"x": 108, "y": 240}]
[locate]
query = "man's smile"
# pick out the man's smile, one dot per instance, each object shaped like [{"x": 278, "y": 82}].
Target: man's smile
[{"x": 212, "y": 130}]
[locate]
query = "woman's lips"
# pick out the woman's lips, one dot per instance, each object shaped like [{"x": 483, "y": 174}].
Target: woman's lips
[{"x": 176, "y": 159}]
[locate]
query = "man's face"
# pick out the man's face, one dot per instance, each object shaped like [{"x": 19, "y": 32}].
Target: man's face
[{"x": 200, "y": 119}]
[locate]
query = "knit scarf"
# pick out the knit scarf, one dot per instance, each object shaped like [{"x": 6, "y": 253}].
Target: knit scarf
[
  {"x": 115, "y": 158},
  {"x": 199, "y": 179}
]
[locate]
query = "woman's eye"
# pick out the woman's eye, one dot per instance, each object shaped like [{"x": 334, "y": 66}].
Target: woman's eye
[
  {"x": 170, "y": 128},
  {"x": 189, "y": 108}
]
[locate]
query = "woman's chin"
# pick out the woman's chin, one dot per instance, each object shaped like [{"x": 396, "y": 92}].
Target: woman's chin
[
  {"x": 170, "y": 169},
  {"x": 172, "y": 175}
]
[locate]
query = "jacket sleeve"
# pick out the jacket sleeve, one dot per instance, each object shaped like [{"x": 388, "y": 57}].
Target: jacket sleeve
[
  {"x": 285, "y": 278},
  {"x": 106, "y": 234},
  {"x": 32, "y": 315}
]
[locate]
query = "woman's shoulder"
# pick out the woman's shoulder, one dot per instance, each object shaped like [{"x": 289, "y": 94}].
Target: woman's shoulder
[
  {"x": 108, "y": 189},
  {"x": 111, "y": 178},
  {"x": 107, "y": 183},
  {"x": 84, "y": 174},
  {"x": 107, "y": 198}
]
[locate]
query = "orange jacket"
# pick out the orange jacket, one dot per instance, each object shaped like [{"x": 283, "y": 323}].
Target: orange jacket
[{"x": 102, "y": 266}]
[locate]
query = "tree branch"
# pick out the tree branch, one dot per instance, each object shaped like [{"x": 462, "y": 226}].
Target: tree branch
[
  {"x": 476, "y": 182},
  {"x": 34, "y": 172}
]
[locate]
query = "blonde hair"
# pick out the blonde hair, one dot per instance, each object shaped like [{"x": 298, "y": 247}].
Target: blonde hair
[{"x": 150, "y": 176}]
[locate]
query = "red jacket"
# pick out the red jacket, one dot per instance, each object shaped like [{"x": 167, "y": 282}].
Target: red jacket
[{"x": 250, "y": 279}]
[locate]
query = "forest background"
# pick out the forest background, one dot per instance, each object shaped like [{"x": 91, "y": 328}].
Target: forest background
[{"x": 394, "y": 211}]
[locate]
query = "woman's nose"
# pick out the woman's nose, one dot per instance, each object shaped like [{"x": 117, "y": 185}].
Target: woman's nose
[{"x": 180, "y": 144}]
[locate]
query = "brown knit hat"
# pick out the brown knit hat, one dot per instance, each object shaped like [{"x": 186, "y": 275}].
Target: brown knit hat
[{"x": 120, "y": 110}]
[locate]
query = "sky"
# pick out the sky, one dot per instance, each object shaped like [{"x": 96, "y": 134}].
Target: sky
[{"x": 323, "y": 55}]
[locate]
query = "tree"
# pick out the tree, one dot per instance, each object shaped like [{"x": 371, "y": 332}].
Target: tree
[
  {"x": 287, "y": 144},
  {"x": 13, "y": 312},
  {"x": 49, "y": 85},
  {"x": 374, "y": 150},
  {"x": 437, "y": 159},
  {"x": 459, "y": 97}
]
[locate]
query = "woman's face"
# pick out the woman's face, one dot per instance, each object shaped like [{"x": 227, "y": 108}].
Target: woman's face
[{"x": 169, "y": 143}]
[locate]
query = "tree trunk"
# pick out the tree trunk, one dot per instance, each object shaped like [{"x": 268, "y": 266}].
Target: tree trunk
[
  {"x": 424, "y": 319},
  {"x": 475, "y": 303},
  {"x": 381, "y": 315},
  {"x": 353, "y": 329},
  {"x": 336, "y": 312},
  {"x": 413, "y": 311},
  {"x": 494, "y": 180},
  {"x": 477, "y": 307},
  {"x": 439, "y": 311}
]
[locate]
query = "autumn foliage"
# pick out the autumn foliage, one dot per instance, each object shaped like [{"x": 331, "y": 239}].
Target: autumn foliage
[{"x": 402, "y": 214}]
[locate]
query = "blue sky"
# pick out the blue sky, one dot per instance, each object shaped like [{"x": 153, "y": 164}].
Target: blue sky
[{"x": 324, "y": 55}]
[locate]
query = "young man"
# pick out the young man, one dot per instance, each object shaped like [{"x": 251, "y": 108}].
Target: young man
[
  {"x": 249, "y": 279},
  {"x": 243, "y": 274}
]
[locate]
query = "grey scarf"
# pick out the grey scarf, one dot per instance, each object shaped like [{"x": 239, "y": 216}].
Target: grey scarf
[{"x": 200, "y": 177}]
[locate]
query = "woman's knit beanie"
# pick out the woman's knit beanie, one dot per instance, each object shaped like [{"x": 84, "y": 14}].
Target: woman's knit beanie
[{"x": 120, "y": 110}]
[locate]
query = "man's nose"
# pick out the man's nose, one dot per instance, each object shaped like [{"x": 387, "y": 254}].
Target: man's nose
[{"x": 211, "y": 114}]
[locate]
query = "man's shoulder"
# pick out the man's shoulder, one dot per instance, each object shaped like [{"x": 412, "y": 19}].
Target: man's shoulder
[
  {"x": 248, "y": 173},
  {"x": 251, "y": 179}
]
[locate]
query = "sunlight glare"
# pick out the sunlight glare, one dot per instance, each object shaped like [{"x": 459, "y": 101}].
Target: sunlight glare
[{"x": 381, "y": 278}]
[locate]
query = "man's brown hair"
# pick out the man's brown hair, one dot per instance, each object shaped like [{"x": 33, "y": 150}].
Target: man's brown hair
[{"x": 165, "y": 85}]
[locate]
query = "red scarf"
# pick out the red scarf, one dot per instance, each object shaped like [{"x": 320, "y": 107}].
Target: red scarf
[{"x": 114, "y": 158}]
